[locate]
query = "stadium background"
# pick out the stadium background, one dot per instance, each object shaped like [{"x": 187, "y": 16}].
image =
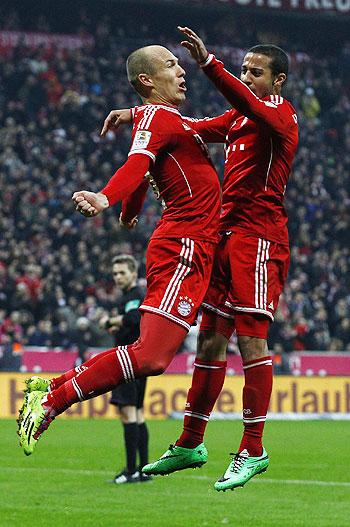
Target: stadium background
[
  {"x": 55, "y": 277},
  {"x": 61, "y": 71}
]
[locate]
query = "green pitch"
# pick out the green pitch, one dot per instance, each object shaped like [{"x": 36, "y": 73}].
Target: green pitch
[{"x": 65, "y": 482}]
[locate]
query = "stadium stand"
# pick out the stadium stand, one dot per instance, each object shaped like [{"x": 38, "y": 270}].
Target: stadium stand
[{"x": 55, "y": 264}]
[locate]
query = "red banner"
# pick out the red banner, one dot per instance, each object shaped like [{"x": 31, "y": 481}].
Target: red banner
[{"x": 309, "y": 364}]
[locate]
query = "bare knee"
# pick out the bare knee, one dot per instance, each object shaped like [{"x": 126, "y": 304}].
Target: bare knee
[
  {"x": 211, "y": 346},
  {"x": 128, "y": 414},
  {"x": 252, "y": 348},
  {"x": 139, "y": 416}
]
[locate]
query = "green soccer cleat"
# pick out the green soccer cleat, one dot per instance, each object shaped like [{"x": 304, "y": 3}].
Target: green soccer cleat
[
  {"x": 37, "y": 384},
  {"x": 177, "y": 458},
  {"x": 241, "y": 469},
  {"x": 34, "y": 419}
]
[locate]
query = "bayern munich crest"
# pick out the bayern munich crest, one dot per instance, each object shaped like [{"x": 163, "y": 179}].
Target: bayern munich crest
[{"x": 185, "y": 306}]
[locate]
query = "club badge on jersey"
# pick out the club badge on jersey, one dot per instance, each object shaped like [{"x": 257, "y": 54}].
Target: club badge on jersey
[{"x": 185, "y": 306}]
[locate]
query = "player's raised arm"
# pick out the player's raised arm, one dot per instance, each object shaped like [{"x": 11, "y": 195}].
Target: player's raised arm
[
  {"x": 115, "y": 118},
  {"x": 194, "y": 44},
  {"x": 240, "y": 94}
]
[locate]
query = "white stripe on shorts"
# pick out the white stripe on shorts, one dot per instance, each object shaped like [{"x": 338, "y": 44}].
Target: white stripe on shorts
[
  {"x": 182, "y": 270},
  {"x": 261, "y": 278}
]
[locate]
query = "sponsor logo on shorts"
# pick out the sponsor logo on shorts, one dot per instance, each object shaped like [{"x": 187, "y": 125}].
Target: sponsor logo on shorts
[
  {"x": 185, "y": 306},
  {"x": 247, "y": 411}
]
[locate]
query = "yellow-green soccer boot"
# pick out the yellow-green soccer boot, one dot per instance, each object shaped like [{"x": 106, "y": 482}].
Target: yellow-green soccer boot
[
  {"x": 34, "y": 420},
  {"x": 37, "y": 384},
  {"x": 33, "y": 384}
]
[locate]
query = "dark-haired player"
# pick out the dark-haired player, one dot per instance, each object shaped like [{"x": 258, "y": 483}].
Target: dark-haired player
[{"x": 170, "y": 155}]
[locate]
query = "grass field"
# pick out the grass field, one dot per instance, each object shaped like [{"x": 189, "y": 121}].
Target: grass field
[{"x": 65, "y": 482}]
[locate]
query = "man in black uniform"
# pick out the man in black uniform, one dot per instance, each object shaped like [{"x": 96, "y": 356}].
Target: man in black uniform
[{"x": 125, "y": 326}]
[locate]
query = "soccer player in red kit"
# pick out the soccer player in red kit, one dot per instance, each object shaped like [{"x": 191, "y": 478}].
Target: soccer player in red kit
[
  {"x": 252, "y": 258},
  {"x": 172, "y": 157}
]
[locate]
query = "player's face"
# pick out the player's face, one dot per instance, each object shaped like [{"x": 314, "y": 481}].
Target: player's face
[
  {"x": 122, "y": 276},
  {"x": 169, "y": 79},
  {"x": 256, "y": 73}
]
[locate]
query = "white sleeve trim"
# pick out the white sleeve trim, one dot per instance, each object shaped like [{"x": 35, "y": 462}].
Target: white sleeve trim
[
  {"x": 146, "y": 152},
  {"x": 207, "y": 60}
]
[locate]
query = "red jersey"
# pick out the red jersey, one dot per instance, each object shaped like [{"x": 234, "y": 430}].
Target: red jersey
[
  {"x": 181, "y": 173},
  {"x": 261, "y": 138}
]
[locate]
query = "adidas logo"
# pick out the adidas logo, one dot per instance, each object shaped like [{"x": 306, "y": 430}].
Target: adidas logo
[{"x": 271, "y": 306}]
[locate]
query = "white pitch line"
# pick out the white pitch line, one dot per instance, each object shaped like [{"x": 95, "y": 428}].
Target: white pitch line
[
  {"x": 317, "y": 483},
  {"x": 80, "y": 472}
]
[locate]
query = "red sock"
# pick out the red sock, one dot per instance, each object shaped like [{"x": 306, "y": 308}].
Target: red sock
[
  {"x": 149, "y": 355},
  {"x": 256, "y": 399},
  {"x": 207, "y": 381},
  {"x": 117, "y": 366},
  {"x": 56, "y": 382}
]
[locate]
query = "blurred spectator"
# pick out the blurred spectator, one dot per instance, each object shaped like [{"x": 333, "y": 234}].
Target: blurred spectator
[
  {"x": 40, "y": 335},
  {"x": 310, "y": 104},
  {"x": 84, "y": 338}
]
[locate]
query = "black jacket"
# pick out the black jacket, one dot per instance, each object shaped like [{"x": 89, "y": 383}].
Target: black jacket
[{"x": 128, "y": 305}]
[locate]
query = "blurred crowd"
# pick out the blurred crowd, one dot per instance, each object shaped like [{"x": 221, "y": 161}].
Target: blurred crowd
[{"x": 55, "y": 265}]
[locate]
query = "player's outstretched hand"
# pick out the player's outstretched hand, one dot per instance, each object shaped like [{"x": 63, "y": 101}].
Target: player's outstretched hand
[
  {"x": 115, "y": 118},
  {"x": 194, "y": 44},
  {"x": 90, "y": 204},
  {"x": 128, "y": 224}
]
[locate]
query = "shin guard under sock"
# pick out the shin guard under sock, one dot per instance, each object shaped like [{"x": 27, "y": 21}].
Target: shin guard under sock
[
  {"x": 207, "y": 381},
  {"x": 256, "y": 399},
  {"x": 149, "y": 355},
  {"x": 115, "y": 367},
  {"x": 56, "y": 382}
]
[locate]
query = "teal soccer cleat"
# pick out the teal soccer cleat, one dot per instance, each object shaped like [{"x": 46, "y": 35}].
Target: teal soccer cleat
[
  {"x": 241, "y": 469},
  {"x": 177, "y": 458}
]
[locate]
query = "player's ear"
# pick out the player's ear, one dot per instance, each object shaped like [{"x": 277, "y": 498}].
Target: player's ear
[
  {"x": 279, "y": 79},
  {"x": 145, "y": 80}
]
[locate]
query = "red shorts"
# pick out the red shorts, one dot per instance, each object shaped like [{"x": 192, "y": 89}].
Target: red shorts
[
  {"x": 248, "y": 276},
  {"x": 178, "y": 273}
]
